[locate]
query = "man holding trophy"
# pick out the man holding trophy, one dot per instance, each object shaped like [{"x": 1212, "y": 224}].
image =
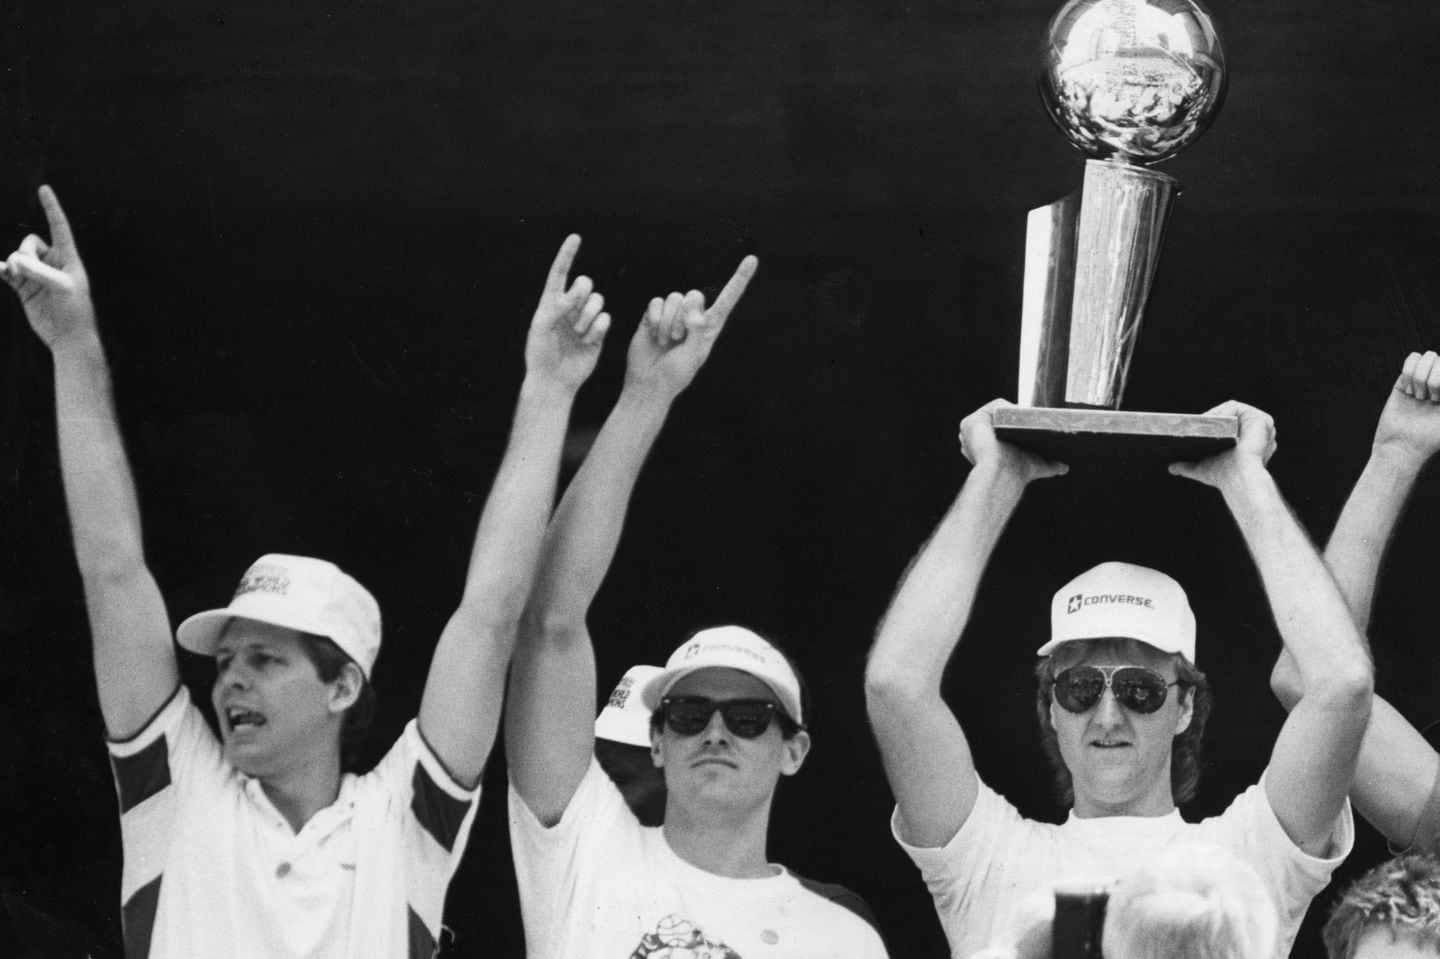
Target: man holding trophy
[
  {"x": 1121, "y": 702},
  {"x": 1121, "y": 705}
]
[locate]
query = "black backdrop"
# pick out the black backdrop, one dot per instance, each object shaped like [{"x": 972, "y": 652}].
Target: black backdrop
[{"x": 316, "y": 231}]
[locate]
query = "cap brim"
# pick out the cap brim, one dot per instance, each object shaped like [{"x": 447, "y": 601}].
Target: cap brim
[
  {"x": 1055, "y": 644},
  {"x": 621, "y": 729},
  {"x": 659, "y": 686},
  {"x": 201, "y": 633}
]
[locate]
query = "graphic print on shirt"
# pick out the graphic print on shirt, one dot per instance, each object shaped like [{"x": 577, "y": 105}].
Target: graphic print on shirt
[{"x": 678, "y": 938}]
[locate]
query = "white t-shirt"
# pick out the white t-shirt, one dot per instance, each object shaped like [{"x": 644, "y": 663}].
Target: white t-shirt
[
  {"x": 213, "y": 869},
  {"x": 598, "y": 885},
  {"x": 981, "y": 878}
]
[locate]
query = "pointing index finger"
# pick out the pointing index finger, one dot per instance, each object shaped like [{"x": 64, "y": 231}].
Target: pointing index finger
[
  {"x": 734, "y": 289},
  {"x": 560, "y": 268},
  {"x": 55, "y": 215}
]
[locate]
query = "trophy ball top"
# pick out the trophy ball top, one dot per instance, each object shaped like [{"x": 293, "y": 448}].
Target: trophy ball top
[{"x": 1132, "y": 80}]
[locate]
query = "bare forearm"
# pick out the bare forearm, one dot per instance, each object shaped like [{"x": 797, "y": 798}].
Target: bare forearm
[
  {"x": 927, "y": 758},
  {"x": 1358, "y": 543},
  {"x": 585, "y": 531},
  {"x": 549, "y": 709},
  {"x": 923, "y": 625},
  {"x": 460, "y": 711},
  {"x": 1311, "y": 615},
  {"x": 507, "y": 541},
  {"x": 1313, "y": 762},
  {"x": 99, "y": 490},
  {"x": 1366, "y": 525},
  {"x": 134, "y": 660},
  {"x": 1395, "y": 774}
]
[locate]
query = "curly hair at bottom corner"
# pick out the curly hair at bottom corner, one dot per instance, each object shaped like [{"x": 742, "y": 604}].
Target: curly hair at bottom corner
[{"x": 1401, "y": 895}]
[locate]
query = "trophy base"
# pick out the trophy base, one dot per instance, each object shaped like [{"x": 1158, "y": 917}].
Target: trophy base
[{"x": 1131, "y": 441}]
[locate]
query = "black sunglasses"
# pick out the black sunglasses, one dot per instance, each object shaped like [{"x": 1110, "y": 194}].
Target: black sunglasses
[
  {"x": 1137, "y": 688},
  {"x": 746, "y": 718}
]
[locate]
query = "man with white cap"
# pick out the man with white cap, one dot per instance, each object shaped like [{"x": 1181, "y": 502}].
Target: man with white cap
[
  {"x": 622, "y": 746},
  {"x": 728, "y": 723},
  {"x": 258, "y": 844},
  {"x": 1121, "y": 706}
]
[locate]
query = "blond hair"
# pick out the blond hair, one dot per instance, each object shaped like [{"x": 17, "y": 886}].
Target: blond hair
[{"x": 1192, "y": 901}]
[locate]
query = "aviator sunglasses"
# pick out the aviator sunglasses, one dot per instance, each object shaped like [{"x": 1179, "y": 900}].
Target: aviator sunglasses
[
  {"x": 689, "y": 715},
  {"x": 1137, "y": 688}
]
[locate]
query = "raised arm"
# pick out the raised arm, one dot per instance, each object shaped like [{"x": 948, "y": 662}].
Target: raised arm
[
  {"x": 927, "y": 758},
  {"x": 135, "y": 669},
  {"x": 1313, "y": 762},
  {"x": 460, "y": 712},
  {"x": 550, "y": 707},
  {"x": 1397, "y": 766}
]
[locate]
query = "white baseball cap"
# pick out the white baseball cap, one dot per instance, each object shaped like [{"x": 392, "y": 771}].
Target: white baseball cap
[
  {"x": 733, "y": 647},
  {"x": 296, "y": 592},
  {"x": 624, "y": 718},
  {"x": 1123, "y": 601}
]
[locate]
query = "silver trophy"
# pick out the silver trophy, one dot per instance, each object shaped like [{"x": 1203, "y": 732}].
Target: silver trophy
[{"x": 1130, "y": 82}]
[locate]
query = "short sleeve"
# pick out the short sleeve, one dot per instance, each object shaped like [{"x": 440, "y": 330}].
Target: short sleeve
[
  {"x": 174, "y": 754},
  {"x": 555, "y": 865},
  {"x": 950, "y": 870},
  {"x": 597, "y": 804},
  {"x": 409, "y": 804},
  {"x": 1250, "y": 828},
  {"x": 413, "y": 775},
  {"x": 1250, "y": 823},
  {"x": 974, "y": 840},
  {"x": 174, "y": 746}
]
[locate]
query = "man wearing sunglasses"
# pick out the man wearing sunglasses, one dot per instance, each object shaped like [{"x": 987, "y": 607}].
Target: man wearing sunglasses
[
  {"x": 727, "y": 723},
  {"x": 1121, "y": 706}
]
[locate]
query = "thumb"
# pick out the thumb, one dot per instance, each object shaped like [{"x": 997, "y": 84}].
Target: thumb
[
  {"x": 699, "y": 324},
  {"x": 27, "y": 266}
]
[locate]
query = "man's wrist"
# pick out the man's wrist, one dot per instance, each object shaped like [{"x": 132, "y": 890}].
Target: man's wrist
[
  {"x": 998, "y": 476},
  {"x": 1247, "y": 477},
  {"x": 646, "y": 394},
  {"x": 1398, "y": 456},
  {"x": 82, "y": 342},
  {"x": 546, "y": 388}
]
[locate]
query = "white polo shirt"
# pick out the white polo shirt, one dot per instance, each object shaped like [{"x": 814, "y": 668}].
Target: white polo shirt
[{"x": 213, "y": 869}]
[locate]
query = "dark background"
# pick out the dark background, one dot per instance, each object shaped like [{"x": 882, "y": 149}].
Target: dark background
[{"x": 316, "y": 231}]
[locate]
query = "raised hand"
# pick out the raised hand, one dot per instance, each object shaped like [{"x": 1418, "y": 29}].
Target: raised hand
[
  {"x": 568, "y": 328},
  {"x": 1254, "y": 447},
  {"x": 982, "y": 447},
  {"x": 1410, "y": 423},
  {"x": 677, "y": 334},
  {"x": 50, "y": 280}
]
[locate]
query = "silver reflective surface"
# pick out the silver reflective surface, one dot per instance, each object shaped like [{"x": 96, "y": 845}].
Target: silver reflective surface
[{"x": 1136, "y": 80}]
